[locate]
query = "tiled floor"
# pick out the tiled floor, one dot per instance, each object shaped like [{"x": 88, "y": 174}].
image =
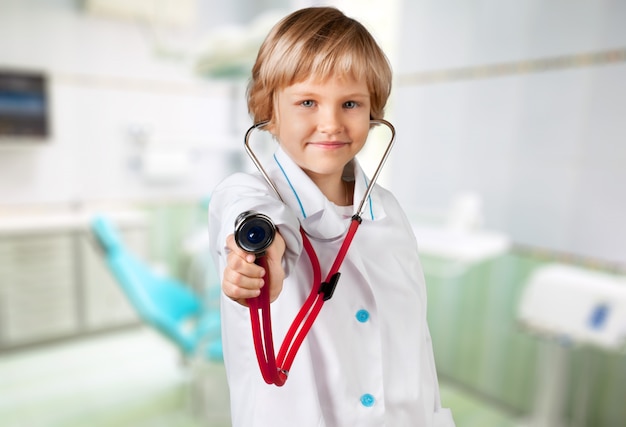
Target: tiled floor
[{"x": 135, "y": 378}]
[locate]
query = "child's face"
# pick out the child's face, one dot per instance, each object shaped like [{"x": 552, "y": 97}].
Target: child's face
[{"x": 323, "y": 125}]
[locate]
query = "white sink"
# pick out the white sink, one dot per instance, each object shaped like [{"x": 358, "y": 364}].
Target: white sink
[{"x": 460, "y": 245}]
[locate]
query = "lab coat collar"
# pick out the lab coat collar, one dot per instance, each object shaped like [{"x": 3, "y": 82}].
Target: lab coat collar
[{"x": 319, "y": 217}]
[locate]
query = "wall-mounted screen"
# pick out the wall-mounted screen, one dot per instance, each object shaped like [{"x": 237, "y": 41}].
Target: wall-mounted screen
[{"x": 24, "y": 109}]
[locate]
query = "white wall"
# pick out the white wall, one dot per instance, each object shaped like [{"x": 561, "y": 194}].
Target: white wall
[
  {"x": 108, "y": 80},
  {"x": 546, "y": 148}
]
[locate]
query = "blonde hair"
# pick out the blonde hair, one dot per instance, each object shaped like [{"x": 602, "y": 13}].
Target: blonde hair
[{"x": 318, "y": 42}]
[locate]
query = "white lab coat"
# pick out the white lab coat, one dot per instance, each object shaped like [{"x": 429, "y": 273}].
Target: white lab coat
[{"x": 368, "y": 360}]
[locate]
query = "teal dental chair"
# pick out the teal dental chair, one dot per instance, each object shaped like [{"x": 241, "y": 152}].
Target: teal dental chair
[{"x": 169, "y": 306}]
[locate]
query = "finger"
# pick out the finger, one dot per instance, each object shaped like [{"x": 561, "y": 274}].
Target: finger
[
  {"x": 244, "y": 266},
  {"x": 238, "y": 286},
  {"x": 242, "y": 278},
  {"x": 277, "y": 248},
  {"x": 233, "y": 247},
  {"x": 238, "y": 293},
  {"x": 275, "y": 266}
]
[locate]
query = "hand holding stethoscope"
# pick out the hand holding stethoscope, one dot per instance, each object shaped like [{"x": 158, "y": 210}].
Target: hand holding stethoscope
[
  {"x": 254, "y": 234},
  {"x": 245, "y": 281}
]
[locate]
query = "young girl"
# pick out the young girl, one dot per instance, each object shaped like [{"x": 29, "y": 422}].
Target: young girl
[{"x": 319, "y": 78}]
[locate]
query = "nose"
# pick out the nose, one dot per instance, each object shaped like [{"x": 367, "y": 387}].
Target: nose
[{"x": 330, "y": 121}]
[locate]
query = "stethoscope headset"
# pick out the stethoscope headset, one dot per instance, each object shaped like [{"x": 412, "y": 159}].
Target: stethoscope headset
[{"x": 254, "y": 233}]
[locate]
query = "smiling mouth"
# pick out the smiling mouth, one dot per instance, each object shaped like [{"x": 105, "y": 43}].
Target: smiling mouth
[{"x": 329, "y": 144}]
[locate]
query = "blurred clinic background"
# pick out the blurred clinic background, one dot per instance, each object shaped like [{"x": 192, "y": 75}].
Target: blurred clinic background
[{"x": 118, "y": 117}]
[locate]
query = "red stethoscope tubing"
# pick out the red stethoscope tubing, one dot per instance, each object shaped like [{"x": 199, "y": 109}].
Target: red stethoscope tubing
[{"x": 276, "y": 369}]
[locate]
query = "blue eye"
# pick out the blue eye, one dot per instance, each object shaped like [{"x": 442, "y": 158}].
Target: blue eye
[
  {"x": 350, "y": 104},
  {"x": 308, "y": 103}
]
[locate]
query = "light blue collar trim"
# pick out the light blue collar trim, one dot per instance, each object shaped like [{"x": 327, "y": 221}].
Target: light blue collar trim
[
  {"x": 295, "y": 193},
  {"x": 299, "y": 192}
]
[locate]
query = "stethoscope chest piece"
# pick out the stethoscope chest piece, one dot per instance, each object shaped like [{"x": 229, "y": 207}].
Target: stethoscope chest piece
[{"x": 254, "y": 232}]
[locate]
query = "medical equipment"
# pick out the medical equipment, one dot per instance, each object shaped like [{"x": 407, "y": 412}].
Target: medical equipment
[
  {"x": 166, "y": 304},
  {"x": 570, "y": 306},
  {"x": 253, "y": 231}
]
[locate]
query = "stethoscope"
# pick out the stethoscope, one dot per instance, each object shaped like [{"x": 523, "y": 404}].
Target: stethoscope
[{"x": 254, "y": 233}]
